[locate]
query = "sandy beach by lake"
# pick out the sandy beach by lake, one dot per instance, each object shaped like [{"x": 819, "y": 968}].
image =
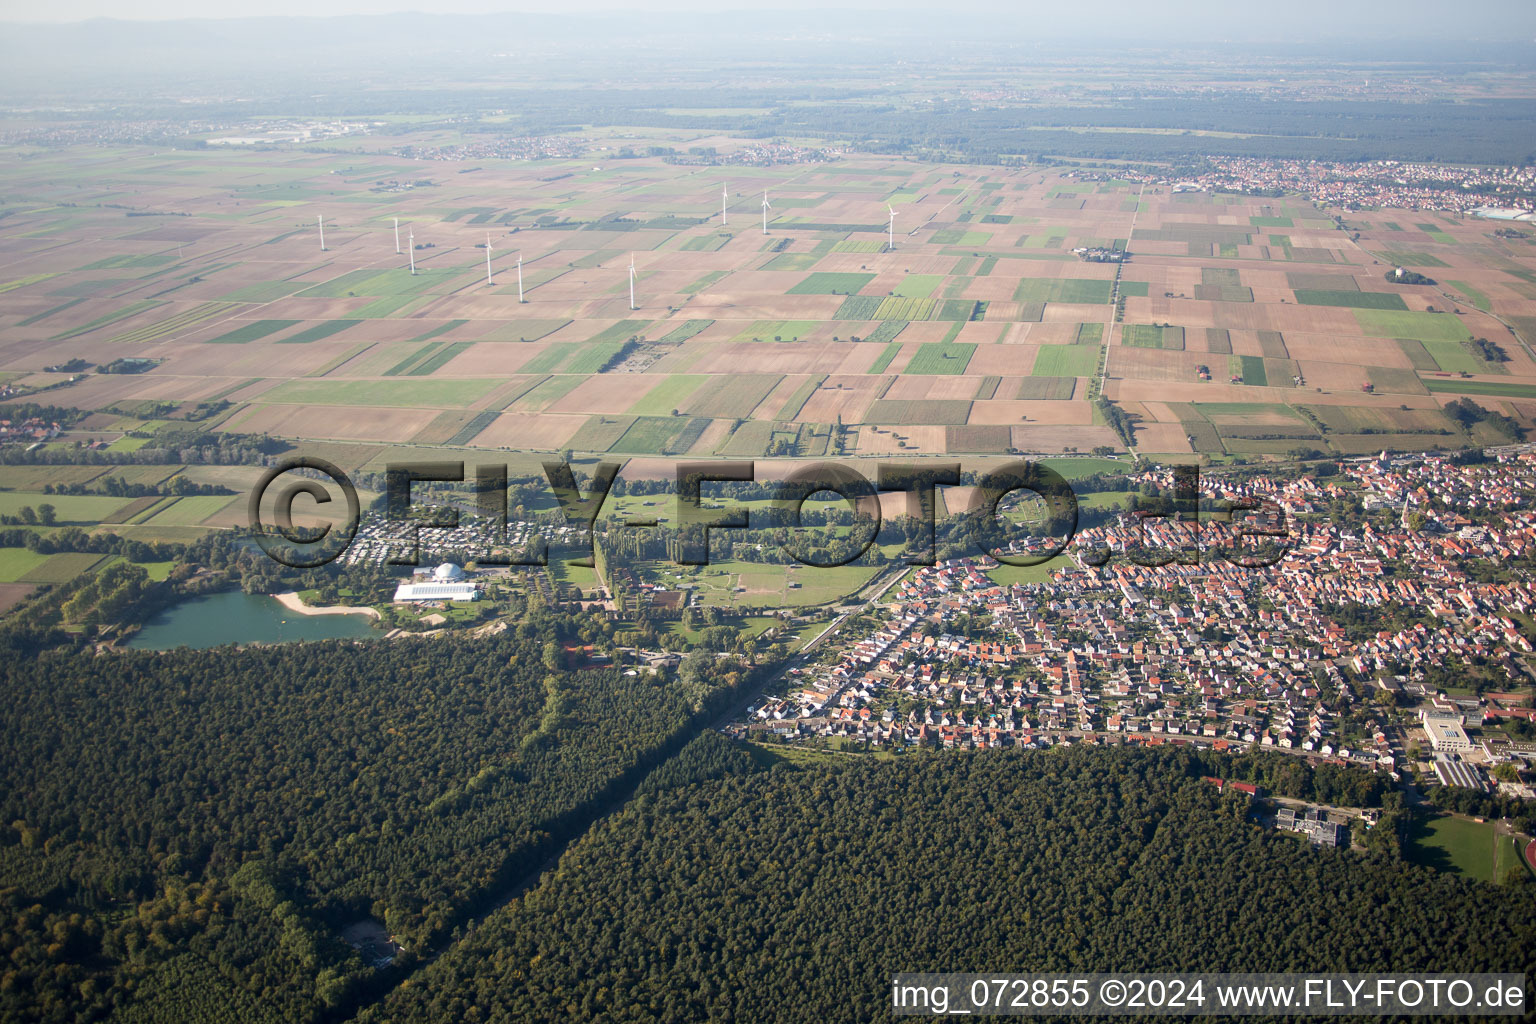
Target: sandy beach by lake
[{"x": 291, "y": 601}]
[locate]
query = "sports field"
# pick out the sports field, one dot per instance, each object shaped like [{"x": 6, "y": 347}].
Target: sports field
[{"x": 1456, "y": 844}]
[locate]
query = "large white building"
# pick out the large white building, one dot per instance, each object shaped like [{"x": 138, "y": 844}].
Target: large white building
[
  {"x": 447, "y": 583},
  {"x": 1446, "y": 735}
]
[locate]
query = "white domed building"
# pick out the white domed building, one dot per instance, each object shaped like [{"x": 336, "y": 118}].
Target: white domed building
[{"x": 447, "y": 582}]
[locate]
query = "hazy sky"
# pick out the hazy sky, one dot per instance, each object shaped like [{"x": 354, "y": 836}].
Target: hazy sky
[
  {"x": 77, "y": 10},
  {"x": 1503, "y": 19}
]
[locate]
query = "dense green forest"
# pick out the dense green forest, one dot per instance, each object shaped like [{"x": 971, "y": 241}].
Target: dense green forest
[
  {"x": 794, "y": 894},
  {"x": 222, "y": 814}
]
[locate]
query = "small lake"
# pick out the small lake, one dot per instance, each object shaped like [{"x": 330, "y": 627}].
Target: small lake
[{"x": 237, "y": 618}]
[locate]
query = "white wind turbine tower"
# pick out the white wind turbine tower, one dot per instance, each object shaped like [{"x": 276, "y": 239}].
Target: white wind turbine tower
[
  {"x": 724, "y": 196},
  {"x": 321, "y": 221},
  {"x": 892, "y": 229},
  {"x": 632, "y": 281},
  {"x": 411, "y": 242},
  {"x": 766, "y": 207},
  {"x": 397, "y": 236},
  {"x": 488, "y": 258},
  {"x": 520, "y": 278}
]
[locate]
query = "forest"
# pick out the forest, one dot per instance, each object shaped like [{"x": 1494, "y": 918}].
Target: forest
[
  {"x": 734, "y": 892},
  {"x": 223, "y": 814}
]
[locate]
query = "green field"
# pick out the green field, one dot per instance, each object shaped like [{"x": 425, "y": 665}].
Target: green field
[
  {"x": 1352, "y": 299},
  {"x": 797, "y": 399},
  {"x": 252, "y": 331},
  {"x": 1046, "y": 388},
  {"x": 1478, "y": 298},
  {"x": 826, "y": 283},
  {"x": 1454, "y": 358},
  {"x": 736, "y": 396},
  {"x": 918, "y": 412},
  {"x": 919, "y": 286},
  {"x": 189, "y": 511},
  {"x": 414, "y": 394},
  {"x": 780, "y": 330},
  {"x": 68, "y": 508},
  {"x": 1251, "y": 369},
  {"x": 1414, "y": 259},
  {"x": 899, "y": 308},
  {"x": 733, "y": 584},
  {"x": 1509, "y": 863},
  {"x": 1493, "y": 389},
  {"x": 443, "y": 328},
  {"x": 266, "y": 292},
  {"x": 703, "y": 282},
  {"x": 396, "y": 281},
  {"x": 157, "y": 571},
  {"x": 1078, "y": 468},
  {"x": 599, "y": 433},
  {"x": 1062, "y": 289},
  {"x": 1382, "y": 323},
  {"x": 887, "y": 330},
  {"x": 941, "y": 358},
  {"x": 439, "y": 359},
  {"x": 1065, "y": 361},
  {"x": 62, "y": 567},
  {"x": 1008, "y": 575},
  {"x": 660, "y": 435},
  {"x": 859, "y": 307},
  {"x": 17, "y": 562},
  {"x": 681, "y": 333},
  {"x": 544, "y": 393},
  {"x": 581, "y": 357},
  {"x": 319, "y": 331},
  {"x": 668, "y": 395},
  {"x": 1150, "y": 336},
  {"x": 1454, "y": 844}
]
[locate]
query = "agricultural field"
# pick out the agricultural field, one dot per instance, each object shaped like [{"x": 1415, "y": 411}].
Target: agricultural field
[{"x": 979, "y": 332}]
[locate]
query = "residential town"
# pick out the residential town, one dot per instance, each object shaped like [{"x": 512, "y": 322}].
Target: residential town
[
  {"x": 1386, "y": 184},
  {"x": 1432, "y": 678}
]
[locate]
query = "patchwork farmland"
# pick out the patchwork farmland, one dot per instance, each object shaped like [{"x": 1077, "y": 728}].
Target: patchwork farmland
[{"x": 980, "y": 331}]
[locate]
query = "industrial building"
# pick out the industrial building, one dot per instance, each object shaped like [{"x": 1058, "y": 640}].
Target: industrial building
[{"x": 1457, "y": 773}]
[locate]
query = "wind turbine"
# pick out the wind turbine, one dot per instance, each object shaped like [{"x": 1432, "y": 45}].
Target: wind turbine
[
  {"x": 632, "y": 281},
  {"x": 321, "y": 221},
  {"x": 766, "y": 207},
  {"x": 488, "y": 257},
  {"x": 520, "y": 278},
  {"x": 724, "y": 196},
  {"x": 892, "y": 229},
  {"x": 412, "y": 243},
  {"x": 397, "y": 236}
]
